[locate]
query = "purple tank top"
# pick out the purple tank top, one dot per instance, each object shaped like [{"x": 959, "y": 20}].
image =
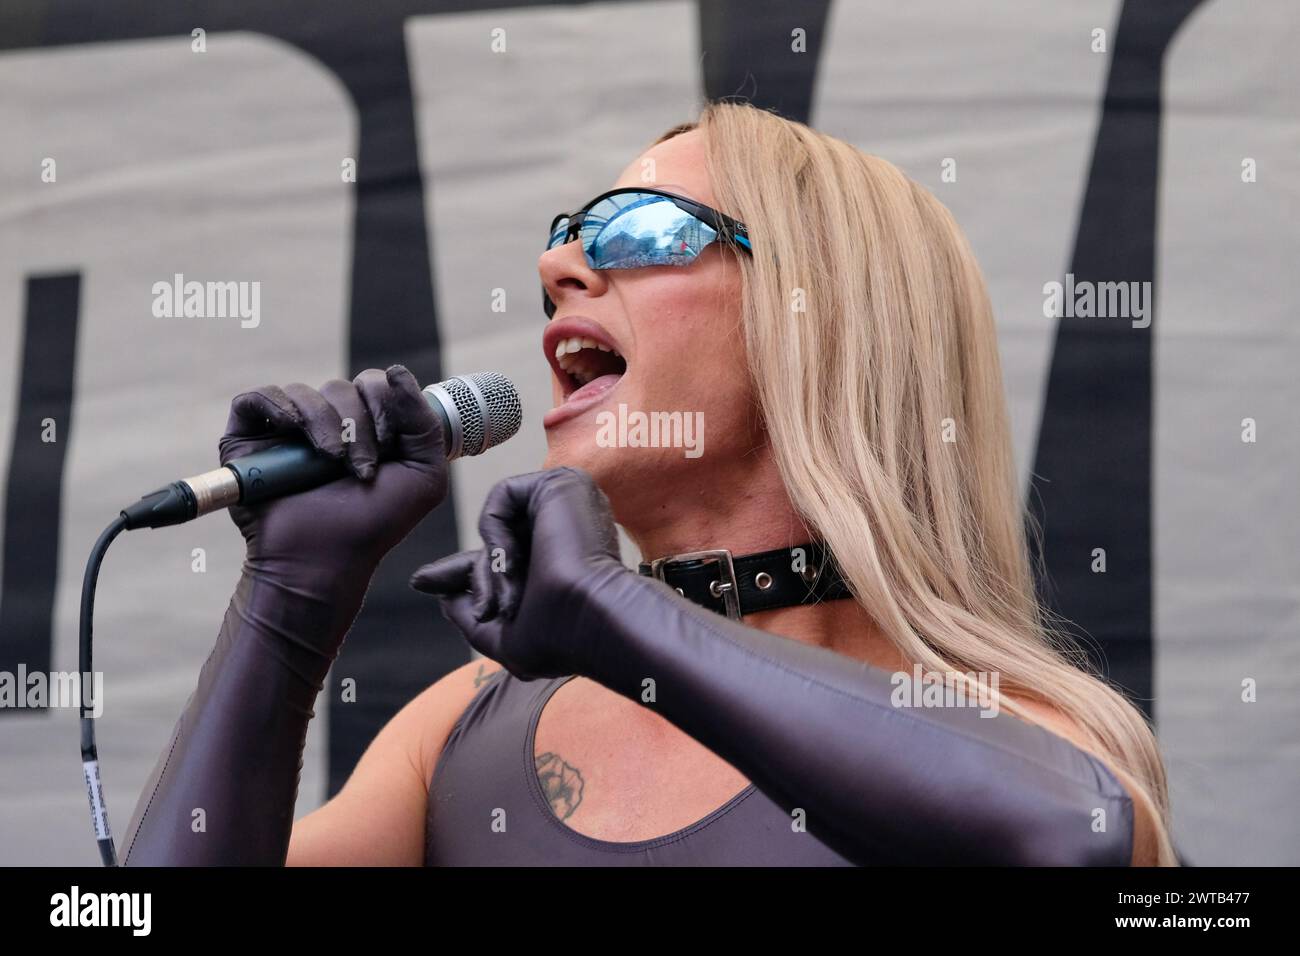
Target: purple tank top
[{"x": 487, "y": 808}]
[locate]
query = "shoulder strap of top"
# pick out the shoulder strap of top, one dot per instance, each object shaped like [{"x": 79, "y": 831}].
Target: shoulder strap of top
[{"x": 498, "y": 715}]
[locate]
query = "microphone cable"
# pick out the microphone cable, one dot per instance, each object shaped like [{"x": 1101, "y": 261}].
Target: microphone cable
[{"x": 89, "y": 753}]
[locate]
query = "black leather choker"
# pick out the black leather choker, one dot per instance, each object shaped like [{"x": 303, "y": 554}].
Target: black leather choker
[{"x": 783, "y": 577}]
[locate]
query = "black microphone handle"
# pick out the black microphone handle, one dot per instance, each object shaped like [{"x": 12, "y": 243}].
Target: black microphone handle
[
  {"x": 296, "y": 466},
  {"x": 283, "y": 470},
  {"x": 271, "y": 473}
]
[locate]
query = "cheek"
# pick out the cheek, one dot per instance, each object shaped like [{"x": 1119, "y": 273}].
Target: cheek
[
  {"x": 690, "y": 351},
  {"x": 686, "y": 325}
]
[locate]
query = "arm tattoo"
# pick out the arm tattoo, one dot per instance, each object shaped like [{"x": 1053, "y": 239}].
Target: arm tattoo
[{"x": 561, "y": 783}]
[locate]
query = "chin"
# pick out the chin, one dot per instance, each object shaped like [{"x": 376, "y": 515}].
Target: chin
[{"x": 576, "y": 449}]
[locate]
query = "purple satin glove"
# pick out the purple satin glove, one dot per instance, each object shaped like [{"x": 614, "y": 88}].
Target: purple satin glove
[
  {"x": 548, "y": 538},
  {"x": 223, "y": 790},
  {"x": 339, "y": 532},
  {"x": 814, "y": 730}
]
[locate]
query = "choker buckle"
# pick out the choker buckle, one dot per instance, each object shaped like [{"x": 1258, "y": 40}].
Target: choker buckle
[{"x": 726, "y": 587}]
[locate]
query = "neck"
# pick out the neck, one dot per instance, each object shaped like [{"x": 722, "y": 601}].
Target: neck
[
  {"x": 745, "y": 517},
  {"x": 741, "y": 505}
]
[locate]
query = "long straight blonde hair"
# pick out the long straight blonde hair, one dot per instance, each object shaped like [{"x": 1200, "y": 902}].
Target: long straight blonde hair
[{"x": 871, "y": 340}]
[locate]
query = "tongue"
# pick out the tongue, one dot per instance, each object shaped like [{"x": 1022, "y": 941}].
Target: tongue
[{"x": 595, "y": 386}]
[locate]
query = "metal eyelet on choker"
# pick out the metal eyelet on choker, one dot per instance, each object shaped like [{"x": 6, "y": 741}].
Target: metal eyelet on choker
[
  {"x": 762, "y": 580},
  {"x": 809, "y": 573}
]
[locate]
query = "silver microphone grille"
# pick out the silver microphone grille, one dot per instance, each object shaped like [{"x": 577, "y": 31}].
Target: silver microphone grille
[{"x": 483, "y": 410}]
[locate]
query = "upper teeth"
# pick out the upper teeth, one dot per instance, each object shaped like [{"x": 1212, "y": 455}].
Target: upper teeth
[
  {"x": 566, "y": 356},
  {"x": 575, "y": 344}
]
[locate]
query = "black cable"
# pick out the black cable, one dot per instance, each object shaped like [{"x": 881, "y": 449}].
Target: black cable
[{"x": 89, "y": 755}]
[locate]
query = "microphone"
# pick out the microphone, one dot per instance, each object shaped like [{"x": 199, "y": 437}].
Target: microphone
[{"x": 478, "y": 412}]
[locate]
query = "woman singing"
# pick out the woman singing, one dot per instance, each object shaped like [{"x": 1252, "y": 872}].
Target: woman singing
[{"x": 832, "y": 653}]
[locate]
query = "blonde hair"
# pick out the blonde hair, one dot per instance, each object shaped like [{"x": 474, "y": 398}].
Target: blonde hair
[{"x": 896, "y": 336}]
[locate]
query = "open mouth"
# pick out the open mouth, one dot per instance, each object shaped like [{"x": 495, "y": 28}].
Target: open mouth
[{"x": 587, "y": 367}]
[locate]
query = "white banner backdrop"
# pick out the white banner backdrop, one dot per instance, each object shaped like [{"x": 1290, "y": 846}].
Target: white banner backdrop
[{"x": 225, "y": 166}]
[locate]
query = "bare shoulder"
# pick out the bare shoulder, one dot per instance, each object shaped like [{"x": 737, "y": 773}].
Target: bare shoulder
[
  {"x": 1145, "y": 850},
  {"x": 378, "y": 817},
  {"x": 429, "y": 717}
]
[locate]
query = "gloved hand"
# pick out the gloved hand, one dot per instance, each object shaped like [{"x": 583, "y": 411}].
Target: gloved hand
[
  {"x": 548, "y": 537},
  {"x": 314, "y": 540},
  {"x": 814, "y": 730},
  {"x": 236, "y": 752}
]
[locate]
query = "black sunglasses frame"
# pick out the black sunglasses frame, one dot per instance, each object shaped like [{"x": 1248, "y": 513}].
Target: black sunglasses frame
[{"x": 729, "y": 230}]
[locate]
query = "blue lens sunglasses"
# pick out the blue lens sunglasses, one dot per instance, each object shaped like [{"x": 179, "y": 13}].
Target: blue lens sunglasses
[{"x": 630, "y": 228}]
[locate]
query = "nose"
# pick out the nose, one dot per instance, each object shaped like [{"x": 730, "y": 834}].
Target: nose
[{"x": 566, "y": 275}]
